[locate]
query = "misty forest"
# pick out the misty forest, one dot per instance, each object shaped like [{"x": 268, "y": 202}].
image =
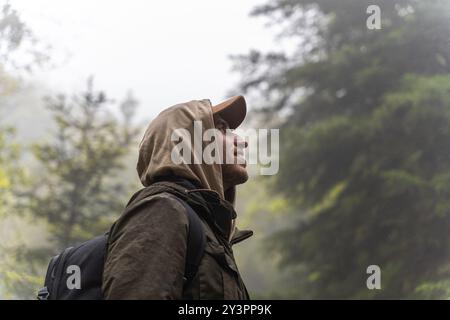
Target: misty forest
[{"x": 364, "y": 173}]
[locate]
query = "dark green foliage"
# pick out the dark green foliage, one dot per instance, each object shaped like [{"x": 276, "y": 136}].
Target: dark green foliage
[{"x": 365, "y": 152}]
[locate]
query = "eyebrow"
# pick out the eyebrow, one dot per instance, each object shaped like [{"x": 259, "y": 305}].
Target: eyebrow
[{"x": 220, "y": 120}]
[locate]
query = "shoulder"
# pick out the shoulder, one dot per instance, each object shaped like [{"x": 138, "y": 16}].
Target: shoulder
[{"x": 159, "y": 213}]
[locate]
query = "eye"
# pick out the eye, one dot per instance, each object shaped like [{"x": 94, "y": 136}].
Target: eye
[{"x": 221, "y": 126}]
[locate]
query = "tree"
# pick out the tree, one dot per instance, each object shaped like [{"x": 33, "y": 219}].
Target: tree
[
  {"x": 17, "y": 273},
  {"x": 12, "y": 33},
  {"x": 78, "y": 193},
  {"x": 364, "y": 151},
  {"x": 17, "y": 38}
]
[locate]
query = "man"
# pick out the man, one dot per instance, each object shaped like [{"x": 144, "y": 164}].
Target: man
[{"x": 147, "y": 246}]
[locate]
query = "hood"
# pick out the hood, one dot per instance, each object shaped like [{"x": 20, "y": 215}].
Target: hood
[{"x": 156, "y": 147}]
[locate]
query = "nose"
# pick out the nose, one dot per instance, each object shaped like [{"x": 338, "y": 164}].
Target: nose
[{"x": 238, "y": 141}]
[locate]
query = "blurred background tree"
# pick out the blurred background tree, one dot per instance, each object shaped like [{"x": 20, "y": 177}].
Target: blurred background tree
[
  {"x": 78, "y": 191},
  {"x": 79, "y": 178},
  {"x": 16, "y": 274},
  {"x": 365, "y": 144},
  {"x": 12, "y": 34},
  {"x": 364, "y": 173}
]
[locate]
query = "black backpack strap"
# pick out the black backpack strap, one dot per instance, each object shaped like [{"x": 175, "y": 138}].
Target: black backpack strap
[
  {"x": 196, "y": 242},
  {"x": 53, "y": 277},
  {"x": 59, "y": 271},
  {"x": 44, "y": 292}
]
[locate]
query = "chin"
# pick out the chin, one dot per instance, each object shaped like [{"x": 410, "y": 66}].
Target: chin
[
  {"x": 236, "y": 174},
  {"x": 241, "y": 174}
]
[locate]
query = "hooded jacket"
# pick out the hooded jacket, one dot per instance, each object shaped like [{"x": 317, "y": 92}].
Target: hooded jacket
[{"x": 147, "y": 246}]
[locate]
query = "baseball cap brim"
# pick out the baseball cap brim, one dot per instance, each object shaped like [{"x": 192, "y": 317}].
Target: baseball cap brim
[{"x": 232, "y": 110}]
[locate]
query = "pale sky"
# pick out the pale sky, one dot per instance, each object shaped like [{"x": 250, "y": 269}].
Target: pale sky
[{"x": 167, "y": 52}]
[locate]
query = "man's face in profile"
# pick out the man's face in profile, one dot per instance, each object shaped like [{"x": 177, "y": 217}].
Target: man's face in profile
[{"x": 232, "y": 173}]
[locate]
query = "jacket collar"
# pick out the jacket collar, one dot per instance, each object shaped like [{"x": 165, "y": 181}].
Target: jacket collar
[{"x": 219, "y": 213}]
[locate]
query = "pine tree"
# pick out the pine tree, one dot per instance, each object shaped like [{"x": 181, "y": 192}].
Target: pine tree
[
  {"x": 365, "y": 149},
  {"x": 78, "y": 192}
]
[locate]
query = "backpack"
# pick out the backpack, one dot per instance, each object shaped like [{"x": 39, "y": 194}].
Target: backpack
[{"x": 88, "y": 259}]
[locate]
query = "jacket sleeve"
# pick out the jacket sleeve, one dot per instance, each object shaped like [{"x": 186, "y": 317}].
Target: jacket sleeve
[{"x": 147, "y": 251}]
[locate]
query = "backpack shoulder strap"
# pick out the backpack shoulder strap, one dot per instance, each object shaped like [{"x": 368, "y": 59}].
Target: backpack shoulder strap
[{"x": 196, "y": 242}]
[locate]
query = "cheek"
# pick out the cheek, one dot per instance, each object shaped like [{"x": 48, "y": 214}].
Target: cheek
[
  {"x": 228, "y": 145},
  {"x": 223, "y": 143},
  {"x": 228, "y": 142}
]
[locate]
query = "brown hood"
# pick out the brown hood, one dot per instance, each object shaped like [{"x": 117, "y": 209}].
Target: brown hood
[{"x": 156, "y": 147}]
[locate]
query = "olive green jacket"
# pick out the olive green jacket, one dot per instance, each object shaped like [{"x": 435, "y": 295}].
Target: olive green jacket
[{"x": 147, "y": 248}]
